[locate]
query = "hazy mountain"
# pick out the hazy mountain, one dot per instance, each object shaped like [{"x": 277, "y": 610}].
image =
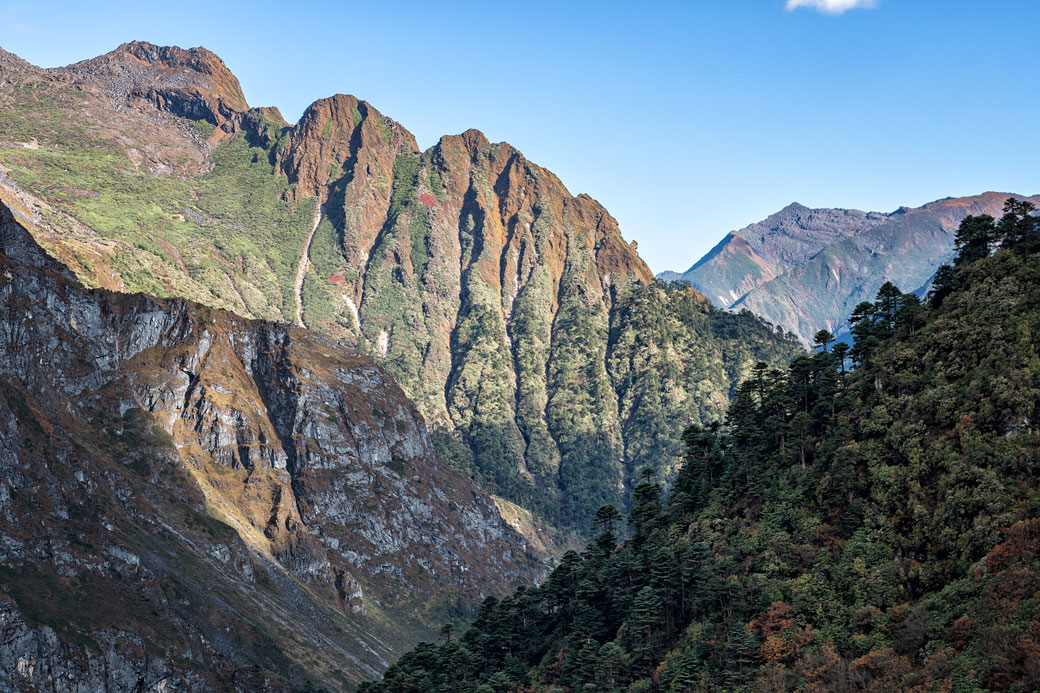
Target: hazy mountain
[{"x": 806, "y": 269}]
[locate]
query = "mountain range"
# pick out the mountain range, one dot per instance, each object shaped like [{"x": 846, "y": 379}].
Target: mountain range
[
  {"x": 806, "y": 269},
  {"x": 504, "y": 306},
  {"x": 279, "y": 400}
]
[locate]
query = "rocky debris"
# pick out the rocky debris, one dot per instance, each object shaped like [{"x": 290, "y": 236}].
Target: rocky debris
[{"x": 191, "y": 83}]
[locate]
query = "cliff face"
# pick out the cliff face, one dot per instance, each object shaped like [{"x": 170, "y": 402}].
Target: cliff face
[
  {"x": 225, "y": 492},
  {"x": 806, "y": 269},
  {"x": 472, "y": 274},
  {"x": 192, "y": 83}
]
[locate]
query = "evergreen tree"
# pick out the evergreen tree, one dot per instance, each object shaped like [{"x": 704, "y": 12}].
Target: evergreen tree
[
  {"x": 822, "y": 339},
  {"x": 974, "y": 239}
]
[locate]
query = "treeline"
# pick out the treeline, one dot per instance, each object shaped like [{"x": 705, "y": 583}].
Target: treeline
[{"x": 867, "y": 520}]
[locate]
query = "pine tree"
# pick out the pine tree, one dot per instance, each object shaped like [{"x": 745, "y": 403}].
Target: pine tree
[
  {"x": 645, "y": 628},
  {"x": 974, "y": 239},
  {"x": 822, "y": 339}
]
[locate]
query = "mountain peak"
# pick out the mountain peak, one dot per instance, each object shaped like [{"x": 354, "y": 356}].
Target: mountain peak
[
  {"x": 331, "y": 132},
  {"x": 10, "y": 61},
  {"x": 193, "y": 83},
  {"x": 472, "y": 142}
]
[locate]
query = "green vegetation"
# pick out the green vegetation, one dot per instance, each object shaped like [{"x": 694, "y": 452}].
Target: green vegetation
[
  {"x": 867, "y": 528},
  {"x": 404, "y": 199},
  {"x": 227, "y": 238}
]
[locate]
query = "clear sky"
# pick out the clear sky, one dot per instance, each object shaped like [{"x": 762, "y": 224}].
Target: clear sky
[{"x": 685, "y": 119}]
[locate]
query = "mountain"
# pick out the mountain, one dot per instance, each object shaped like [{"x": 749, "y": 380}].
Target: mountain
[
  {"x": 502, "y": 304},
  {"x": 868, "y": 528},
  {"x": 748, "y": 258},
  {"x": 192, "y": 497},
  {"x": 806, "y": 269}
]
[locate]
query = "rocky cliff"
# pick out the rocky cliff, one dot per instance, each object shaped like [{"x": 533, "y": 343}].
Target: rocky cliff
[
  {"x": 806, "y": 269},
  {"x": 490, "y": 292},
  {"x": 192, "y": 500}
]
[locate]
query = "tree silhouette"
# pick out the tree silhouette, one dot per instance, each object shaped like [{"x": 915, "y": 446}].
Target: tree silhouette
[{"x": 822, "y": 339}]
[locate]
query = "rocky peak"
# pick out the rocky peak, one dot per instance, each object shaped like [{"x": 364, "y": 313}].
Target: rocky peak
[
  {"x": 192, "y": 83},
  {"x": 9, "y": 62},
  {"x": 471, "y": 143},
  {"x": 325, "y": 143},
  {"x": 525, "y": 190}
]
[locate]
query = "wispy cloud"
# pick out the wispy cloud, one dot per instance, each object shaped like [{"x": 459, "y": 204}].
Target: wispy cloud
[{"x": 831, "y": 6}]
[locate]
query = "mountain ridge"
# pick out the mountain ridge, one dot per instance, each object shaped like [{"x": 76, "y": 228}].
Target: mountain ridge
[
  {"x": 817, "y": 264},
  {"x": 491, "y": 293}
]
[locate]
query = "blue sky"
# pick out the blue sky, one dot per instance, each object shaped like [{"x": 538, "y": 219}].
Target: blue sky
[{"x": 685, "y": 119}]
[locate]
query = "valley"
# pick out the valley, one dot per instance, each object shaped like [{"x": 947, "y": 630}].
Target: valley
[{"x": 306, "y": 406}]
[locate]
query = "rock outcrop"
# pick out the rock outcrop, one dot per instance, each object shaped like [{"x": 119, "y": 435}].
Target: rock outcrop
[
  {"x": 191, "y": 496},
  {"x": 191, "y": 83}
]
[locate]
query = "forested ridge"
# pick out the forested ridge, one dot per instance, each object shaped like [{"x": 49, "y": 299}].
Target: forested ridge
[{"x": 867, "y": 520}]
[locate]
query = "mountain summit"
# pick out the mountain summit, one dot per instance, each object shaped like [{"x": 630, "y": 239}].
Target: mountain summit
[{"x": 806, "y": 269}]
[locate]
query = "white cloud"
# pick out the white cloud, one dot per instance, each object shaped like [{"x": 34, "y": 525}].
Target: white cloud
[{"x": 831, "y": 6}]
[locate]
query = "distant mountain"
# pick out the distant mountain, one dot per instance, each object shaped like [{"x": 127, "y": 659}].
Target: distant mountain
[
  {"x": 503, "y": 305},
  {"x": 806, "y": 269},
  {"x": 748, "y": 258}
]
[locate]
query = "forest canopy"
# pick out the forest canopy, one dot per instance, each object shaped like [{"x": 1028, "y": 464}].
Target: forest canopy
[{"x": 866, "y": 520}]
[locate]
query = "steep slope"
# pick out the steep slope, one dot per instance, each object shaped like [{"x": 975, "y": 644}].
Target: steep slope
[
  {"x": 874, "y": 529},
  {"x": 806, "y": 269},
  {"x": 193, "y": 497},
  {"x": 472, "y": 274}
]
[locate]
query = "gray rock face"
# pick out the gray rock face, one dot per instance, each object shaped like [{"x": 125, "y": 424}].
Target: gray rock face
[
  {"x": 35, "y": 656},
  {"x": 126, "y": 421}
]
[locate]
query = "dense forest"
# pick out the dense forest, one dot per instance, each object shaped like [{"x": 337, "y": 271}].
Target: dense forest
[{"x": 867, "y": 520}]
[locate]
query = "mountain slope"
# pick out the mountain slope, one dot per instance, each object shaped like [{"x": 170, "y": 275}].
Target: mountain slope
[
  {"x": 806, "y": 269},
  {"x": 194, "y": 496},
  {"x": 866, "y": 529},
  {"x": 748, "y": 258},
  {"x": 472, "y": 274}
]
